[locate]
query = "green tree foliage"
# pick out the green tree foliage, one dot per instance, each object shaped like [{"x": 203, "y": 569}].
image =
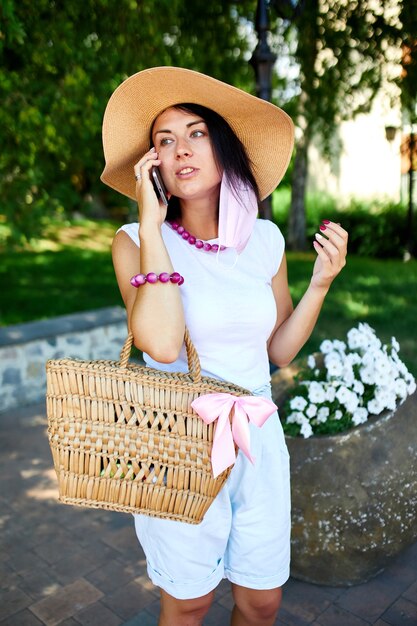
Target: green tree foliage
[
  {"x": 408, "y": 80},
  {"x": 60, "y": 62},
  {"x": 341, "y": 48}
]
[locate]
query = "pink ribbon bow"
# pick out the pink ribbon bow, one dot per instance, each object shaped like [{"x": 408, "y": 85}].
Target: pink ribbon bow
[{"x": 247, "y": 409}]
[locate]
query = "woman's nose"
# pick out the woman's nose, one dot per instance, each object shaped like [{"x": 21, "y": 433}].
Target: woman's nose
[{"x": 183, "y": 149}]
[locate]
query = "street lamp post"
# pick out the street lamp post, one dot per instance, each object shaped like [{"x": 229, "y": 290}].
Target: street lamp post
[{"x": 262, "y": 61}]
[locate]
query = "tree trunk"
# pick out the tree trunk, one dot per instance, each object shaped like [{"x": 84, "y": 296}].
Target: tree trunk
[
  {"x": 296, "y": 239},
  {"x": 265, "y": 208}
]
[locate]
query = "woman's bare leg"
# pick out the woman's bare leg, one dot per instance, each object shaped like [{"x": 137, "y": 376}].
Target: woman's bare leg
[
  {"x": 255, "y": 607},
  {"x": 183, "y": 612}
]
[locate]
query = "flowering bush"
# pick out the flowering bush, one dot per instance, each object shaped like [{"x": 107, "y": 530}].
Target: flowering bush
[{"x": 345, "y": 384}]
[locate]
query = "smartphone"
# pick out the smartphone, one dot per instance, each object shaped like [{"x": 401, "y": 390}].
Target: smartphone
[{"x": 158, "y": 185}]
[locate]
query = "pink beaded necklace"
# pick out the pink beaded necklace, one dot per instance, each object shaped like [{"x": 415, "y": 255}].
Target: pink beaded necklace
[{"x": 193, "y": 241}]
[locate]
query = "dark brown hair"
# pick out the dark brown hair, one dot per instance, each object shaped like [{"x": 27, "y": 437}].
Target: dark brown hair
[{"x": 229, "y": 152}]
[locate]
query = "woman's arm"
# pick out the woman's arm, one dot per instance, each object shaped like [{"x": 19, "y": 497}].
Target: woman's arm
[
  {"x": 155, "y": 312},
  {"x": 294, "y": 326}
]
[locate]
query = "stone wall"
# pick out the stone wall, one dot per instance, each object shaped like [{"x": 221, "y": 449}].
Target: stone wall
[{"x": 25, "y": 348}]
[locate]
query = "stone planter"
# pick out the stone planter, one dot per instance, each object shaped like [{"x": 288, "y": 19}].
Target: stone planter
[{"x": 354, "y": 495}]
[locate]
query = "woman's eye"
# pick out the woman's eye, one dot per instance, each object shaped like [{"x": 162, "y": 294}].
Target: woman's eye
[
  {"x": 198, "y": 133},
  {"x": 165, "y": 141}
]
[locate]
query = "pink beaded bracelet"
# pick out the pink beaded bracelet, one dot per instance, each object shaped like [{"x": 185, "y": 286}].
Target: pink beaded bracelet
[{"x": 152, "y": 278}]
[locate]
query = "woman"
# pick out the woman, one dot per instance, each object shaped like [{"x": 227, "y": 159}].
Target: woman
[{"x": 219, "y": 150}]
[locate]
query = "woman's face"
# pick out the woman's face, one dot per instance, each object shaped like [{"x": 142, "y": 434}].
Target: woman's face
[{"x": 188, "y": 165}]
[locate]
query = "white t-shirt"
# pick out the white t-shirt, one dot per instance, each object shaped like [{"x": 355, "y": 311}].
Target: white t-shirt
[{"x": 229, "y": 306}]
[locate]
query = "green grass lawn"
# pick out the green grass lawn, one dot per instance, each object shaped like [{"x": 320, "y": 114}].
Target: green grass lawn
[{"x": 71, "y": 270}]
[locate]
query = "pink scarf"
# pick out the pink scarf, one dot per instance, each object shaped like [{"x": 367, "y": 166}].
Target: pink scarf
[{"x": 237, "y": 214}]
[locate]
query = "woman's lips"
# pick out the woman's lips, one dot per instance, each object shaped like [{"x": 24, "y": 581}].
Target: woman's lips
[{"x": 186, "y": 172}]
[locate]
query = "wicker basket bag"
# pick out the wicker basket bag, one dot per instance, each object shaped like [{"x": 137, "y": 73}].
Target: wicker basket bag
[{"x": 124, "y": 437}]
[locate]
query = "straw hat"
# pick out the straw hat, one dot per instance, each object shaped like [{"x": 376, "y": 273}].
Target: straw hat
[{"x": 265, "y": 130}]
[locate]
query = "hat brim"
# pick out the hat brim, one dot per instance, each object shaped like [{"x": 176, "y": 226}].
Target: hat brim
[{"x": 265, "y": 130}]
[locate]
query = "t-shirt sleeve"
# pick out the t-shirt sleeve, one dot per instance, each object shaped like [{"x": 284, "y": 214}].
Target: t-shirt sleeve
[
  {"x": 132, "y": 230},
  {"x": 277, "y": 247}
]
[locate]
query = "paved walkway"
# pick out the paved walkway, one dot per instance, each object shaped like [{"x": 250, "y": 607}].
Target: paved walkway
[{"x": 70, "y": 566}]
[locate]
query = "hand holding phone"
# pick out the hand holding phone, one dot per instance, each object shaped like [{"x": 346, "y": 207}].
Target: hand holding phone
[{"x": 158, "y": 185}]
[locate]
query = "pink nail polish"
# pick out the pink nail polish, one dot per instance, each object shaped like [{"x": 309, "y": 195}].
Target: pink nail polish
[
  {"x": 326, "y": 221},
  {"x": 322, "y": 227}
]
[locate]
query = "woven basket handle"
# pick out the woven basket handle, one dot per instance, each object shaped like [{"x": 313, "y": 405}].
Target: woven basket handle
[{"x": 194, "y": 367}]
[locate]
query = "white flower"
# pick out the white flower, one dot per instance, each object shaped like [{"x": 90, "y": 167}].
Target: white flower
[
  {"x": 353, "y": 358},
  {"x": 316, "y": 393},
  {"x": 330, "y": 393},
  {"x": 306, "y": 429},
  {"x": 311, "y": 411},
  {"x": 361, "y": 367},
  {"x": 296, "y": 417},
  {"x": 339, "y": 345},
  {"x": 369, "y": 336},
  {"x": 357, "y": 339},
  {"x": 298, "y": 403},
  {"x": 358, "y": 387},
  {"x": 311, "y": 362},
  {"x": 333, "y": 364},
  {"x": 374, "y": 407},
  {"x": 382, "y": 380},
  {"x": 368, "y": 358},
  {"x": 375, "y": 343},
  {"x": 411, "y": 383},
  {"x": 395, "y": 345},
  {"x": 367, "y": 375},
  {"x": 394, "y": 367},
  {"x": 365, "y": 328},
  {"x": 347, "y": 398},
  {"x": 342, "y": 394},
  {"x": 382, "y": 364},
  {"x": 391, "y": 387},
  {"x": 400, "y": 388},
  {"x": 401, "y": 367},
  {"x": 348, "y": 376},
  {"x": 352, "y": 402},
  {"x": 385, "y": 398},
  {"x": 391, "y": 403},
  {"x": 395, "y": 357},
  {"x": 322, "y": 414},
  {"x": 360, "y": 416},
  {"x": 326, "y": 346}
]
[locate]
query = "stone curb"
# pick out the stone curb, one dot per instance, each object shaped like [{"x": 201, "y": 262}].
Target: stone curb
[
  {"x": 25, "y": 348},
  {"x": 76, "y": 322}
]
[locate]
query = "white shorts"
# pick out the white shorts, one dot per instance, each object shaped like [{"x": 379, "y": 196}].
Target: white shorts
[{"x": 245, "y": 534}]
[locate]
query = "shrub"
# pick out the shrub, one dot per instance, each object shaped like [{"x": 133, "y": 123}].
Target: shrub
[{"x": 375, "y": 229}]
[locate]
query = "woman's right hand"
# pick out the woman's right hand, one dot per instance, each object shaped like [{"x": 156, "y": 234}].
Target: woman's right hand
[{"x": 152, "y": 211}]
